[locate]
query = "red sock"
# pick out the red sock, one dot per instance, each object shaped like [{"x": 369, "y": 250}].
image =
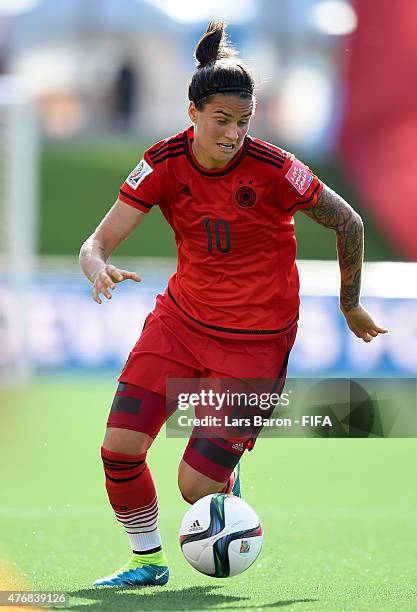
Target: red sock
[{"x": 132, "y": 494}]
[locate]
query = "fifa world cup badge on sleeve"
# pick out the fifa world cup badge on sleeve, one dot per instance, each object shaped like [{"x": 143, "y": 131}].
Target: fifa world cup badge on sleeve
[
  {"x": 299, "y": 176},
  {"x": 138, "y": 174}
]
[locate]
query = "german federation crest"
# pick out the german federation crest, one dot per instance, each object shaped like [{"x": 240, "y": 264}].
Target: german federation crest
[{"x": 245, "y": 197}]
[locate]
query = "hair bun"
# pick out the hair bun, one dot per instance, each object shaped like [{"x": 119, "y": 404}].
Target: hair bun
[
  {"x": 211, "y": 75},
  {"x": 213, "y": 45}
]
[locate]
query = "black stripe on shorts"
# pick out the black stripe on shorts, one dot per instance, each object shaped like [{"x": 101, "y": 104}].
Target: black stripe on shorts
[
  {"x": 215, "y": 453},
  {"x": 124, "y": 403}
]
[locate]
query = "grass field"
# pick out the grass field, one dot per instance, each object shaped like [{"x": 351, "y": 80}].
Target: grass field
[{"x": 340, "y": 516}]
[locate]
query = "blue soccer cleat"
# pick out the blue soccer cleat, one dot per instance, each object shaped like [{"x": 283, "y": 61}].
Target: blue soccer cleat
[{"x": 135, "y": 574}]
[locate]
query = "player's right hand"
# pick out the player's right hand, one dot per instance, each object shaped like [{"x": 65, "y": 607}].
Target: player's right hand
[{"x": 105, "y": 280}]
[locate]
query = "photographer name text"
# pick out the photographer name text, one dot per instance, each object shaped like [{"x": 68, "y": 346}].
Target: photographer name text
[{"x": 255, "y": 421}]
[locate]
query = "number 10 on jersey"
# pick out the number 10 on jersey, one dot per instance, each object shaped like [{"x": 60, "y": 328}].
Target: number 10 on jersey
[{"x": 220, "y": 230}]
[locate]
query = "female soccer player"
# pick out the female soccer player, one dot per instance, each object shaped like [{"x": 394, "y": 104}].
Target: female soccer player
[{"x": 231, "y": 309}]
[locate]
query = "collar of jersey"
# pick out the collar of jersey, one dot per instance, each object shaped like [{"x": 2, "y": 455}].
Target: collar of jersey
[{"x": 188, "y": 139}]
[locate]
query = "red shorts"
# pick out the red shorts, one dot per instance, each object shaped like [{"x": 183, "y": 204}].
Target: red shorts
[{"x": 170, "y": 348}]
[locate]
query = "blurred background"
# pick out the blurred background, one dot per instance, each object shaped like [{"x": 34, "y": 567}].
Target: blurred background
[{"x": 85, "y": 87}]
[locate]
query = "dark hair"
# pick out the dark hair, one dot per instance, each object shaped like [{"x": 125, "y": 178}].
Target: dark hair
[{"x": 218, "y": 69}]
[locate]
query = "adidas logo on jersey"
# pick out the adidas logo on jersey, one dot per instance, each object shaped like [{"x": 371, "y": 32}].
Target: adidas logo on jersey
[
  {"x": 195, "y": 526},
  {"x": 186, "y": 190},
  {"x": 239, "y": 446}
]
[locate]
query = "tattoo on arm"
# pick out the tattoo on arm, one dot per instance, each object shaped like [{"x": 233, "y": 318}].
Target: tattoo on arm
[{"x": 333, "y": 212}]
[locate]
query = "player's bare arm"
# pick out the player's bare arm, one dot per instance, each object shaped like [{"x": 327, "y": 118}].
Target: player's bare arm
[
  {"x": 333, "y": 212},
  {"x": 117, "y": 225}
]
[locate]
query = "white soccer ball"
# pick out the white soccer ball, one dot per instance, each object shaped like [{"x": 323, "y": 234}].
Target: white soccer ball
[{"x": 221, "y": 535}]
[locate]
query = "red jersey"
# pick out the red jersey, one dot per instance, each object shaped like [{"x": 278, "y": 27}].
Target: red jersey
[{"x": 234, "y": 229}]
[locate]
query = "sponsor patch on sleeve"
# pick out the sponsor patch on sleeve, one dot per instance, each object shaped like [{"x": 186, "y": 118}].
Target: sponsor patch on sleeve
[
  {"x": 138, "y": 174},
  {"x": 299, "y": 176}
]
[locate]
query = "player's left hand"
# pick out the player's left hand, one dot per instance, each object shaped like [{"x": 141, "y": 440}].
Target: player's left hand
[{"x": 361, "y": 323}]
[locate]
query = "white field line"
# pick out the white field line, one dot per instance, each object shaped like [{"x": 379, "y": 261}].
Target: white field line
[{"x": 318, "y": 513}]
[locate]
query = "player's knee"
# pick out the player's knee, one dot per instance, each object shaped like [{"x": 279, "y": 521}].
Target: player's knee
[
  {"x": 126, "y": 441},
  {"x": 190, "y": 491},
  {"x": 193, "y": 485}
]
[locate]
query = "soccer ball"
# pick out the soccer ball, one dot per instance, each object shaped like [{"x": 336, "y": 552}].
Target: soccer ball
[{"x": 221, "y": 535}]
